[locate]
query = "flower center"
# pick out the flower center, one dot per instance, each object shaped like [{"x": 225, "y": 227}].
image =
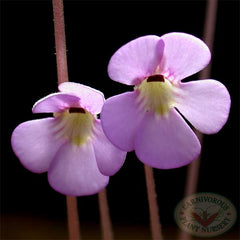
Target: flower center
[
  {"x": 75, "y": 124},
  {"x": 156, "y": 94}
]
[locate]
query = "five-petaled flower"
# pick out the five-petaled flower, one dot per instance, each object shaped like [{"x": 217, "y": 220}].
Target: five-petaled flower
[
  {"x": 71, "y": 146},
  {"x": 148, "y": 119}
]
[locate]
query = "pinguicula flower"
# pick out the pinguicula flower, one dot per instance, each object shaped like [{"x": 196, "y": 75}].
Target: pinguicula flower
[
  {"x": 149, "y": 119},
  {"x": 71, "y": 145}
]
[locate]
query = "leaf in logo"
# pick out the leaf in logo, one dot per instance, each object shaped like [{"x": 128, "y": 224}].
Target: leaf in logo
[{"x": 204, "y": 222}]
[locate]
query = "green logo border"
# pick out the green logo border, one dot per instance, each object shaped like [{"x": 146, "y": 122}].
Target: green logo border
[{"x": 194, "y": 234}]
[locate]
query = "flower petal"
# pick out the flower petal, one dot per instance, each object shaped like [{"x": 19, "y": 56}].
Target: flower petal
[
  {"x": 136, "y": 60},
  {"x": 205, "y": 104},
  {"x": 183, "y": 55},
  {"x": 56, "y": 102},
  {"x": 120, "y": 118},
  {"x": 74, "y": 171},
  {"x": 166, "y": 142},
  {"x": 109, "y": 158},
  {"x": 90, "y": 98},
  {"x": 35, "y": 144}
]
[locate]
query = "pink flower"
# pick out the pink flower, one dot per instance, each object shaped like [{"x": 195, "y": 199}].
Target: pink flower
[
  {"x": 148, "y": 120},
  {"x": 71, "y": 146}
]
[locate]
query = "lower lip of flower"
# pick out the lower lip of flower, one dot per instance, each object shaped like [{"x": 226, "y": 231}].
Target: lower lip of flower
[
  {"x": 75, "y": 124},
  {"x": 156, "y": 94}
]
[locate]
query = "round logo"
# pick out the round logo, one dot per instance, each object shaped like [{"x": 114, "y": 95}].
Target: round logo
[{"x": 205, "y": 214}]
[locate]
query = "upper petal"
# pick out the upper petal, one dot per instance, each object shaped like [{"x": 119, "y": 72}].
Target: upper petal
[
  {"x": 35, "y": 144},
  {"x": 74, "y": 171},
  {"x": 109, "y": 158},
  {"x": 183, "y": 55},
  {"x": 56, "y": 102},
  {"x": 166, "y": 142},
  {"x": 120, "y": 118},
  {"x": 90, "y": 98},
  {"x": 205, "y": 104},
  {"x": 136, "y": 60}
]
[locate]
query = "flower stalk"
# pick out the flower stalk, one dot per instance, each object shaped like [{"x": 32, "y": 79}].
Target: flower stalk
[
  {"x": 106, "y": 225},
  {"x": 153, "y": 205},
  {"x": 62, "y": 73},
  {"x": 62, "y": 70},
  {"x": 208, "y": 38},
  {"x": 60, "y": 41},
  {"x": 72, "y": 215}
]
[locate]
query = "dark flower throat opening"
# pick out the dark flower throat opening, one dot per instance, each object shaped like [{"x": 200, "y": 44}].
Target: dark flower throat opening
[
  {"x": 76, "y": 110},
  {"x": 156, "y": 78}
]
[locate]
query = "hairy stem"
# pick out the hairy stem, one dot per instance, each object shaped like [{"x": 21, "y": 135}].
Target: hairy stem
[
  {"x": 60, "y": 41},
  {"x": 73, "y": 221},
  {"x": 153, "y": 205},
  {"x": 106, "y": 225},
  {"x": 208, "y": 38},
  {"x": 62, "y": 73}
]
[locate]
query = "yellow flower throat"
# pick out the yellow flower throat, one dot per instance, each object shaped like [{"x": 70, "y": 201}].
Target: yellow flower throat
[
  {"x": 156, "y": 94},
  {"x": 75, "y": 124}
]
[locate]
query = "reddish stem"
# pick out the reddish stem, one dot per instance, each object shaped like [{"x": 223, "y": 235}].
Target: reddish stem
[
  {"x": 60, "y": 41},
  {"x": 153, "y": 205},
  {"x": 62, "y": 73},
  {"x": 73, "y": 221},
  {"x": 107, "y": 233},
  {"x": 208, "y": 38}
]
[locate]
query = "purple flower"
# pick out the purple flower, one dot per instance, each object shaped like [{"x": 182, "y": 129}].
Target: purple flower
[
  {"x": 71, "y": 146},
  {"x": 148, "y": 120}
]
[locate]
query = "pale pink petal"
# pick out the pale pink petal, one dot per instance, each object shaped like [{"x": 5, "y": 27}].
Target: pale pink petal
[
  {"x": 205, "y": 104},
  {"x": 90, "y": 98},
  {"x": 120, "y": 118},
  {"x": 183, "y": 55},
  {"x": 166, "y": 142},
  {"x": 109, "y": 158},
  {"x": 56, "y": 102},
  {"x": 74, "y": 171},
  {"x": 35, "y": 144},
  {"x": 136, "y": 60}
]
